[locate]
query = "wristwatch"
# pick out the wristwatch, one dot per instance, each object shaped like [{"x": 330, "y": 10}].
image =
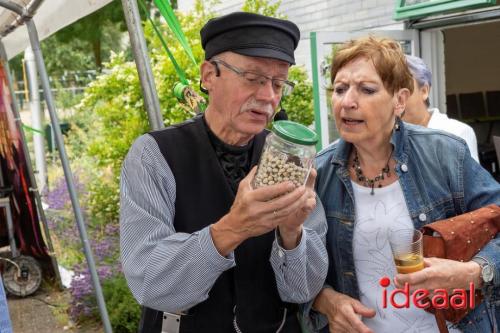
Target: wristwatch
[{"x": 487, "y": 272}]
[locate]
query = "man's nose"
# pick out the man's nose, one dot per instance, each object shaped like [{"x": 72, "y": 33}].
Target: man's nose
[{"x": 266, "y": 91}]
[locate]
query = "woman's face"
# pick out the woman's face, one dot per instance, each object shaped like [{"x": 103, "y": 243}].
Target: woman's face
[{"x": 364, "y": 110}]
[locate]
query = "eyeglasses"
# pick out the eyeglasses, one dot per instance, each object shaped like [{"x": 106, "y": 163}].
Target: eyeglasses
[{"x": 255, "y": 80}]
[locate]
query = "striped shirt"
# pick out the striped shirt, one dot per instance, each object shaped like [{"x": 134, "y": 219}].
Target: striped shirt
[{"x": 173, "y": 271}]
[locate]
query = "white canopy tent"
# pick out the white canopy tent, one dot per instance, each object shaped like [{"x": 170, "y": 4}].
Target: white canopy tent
[
  {"x": 24, "y": 23},
  {"x": 49, "y": 17}
]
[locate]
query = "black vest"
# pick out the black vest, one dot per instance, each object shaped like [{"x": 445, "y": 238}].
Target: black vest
[{"x": 203, "y": 196}]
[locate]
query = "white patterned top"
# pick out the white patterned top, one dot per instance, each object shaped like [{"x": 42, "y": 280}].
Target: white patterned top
[{"x": 376, "y": 215}]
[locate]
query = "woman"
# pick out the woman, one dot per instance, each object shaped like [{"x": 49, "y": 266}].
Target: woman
[
  {"x": 385, "y": 174},
  {"x": 417, "y": 107}
]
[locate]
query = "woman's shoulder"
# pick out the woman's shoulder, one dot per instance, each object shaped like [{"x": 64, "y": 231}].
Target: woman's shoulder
[{"x": 434, "y": 137}]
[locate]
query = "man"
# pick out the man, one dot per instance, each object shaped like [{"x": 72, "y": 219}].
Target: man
[
  {"x": 197, "y": 240},
  {"x": 417, "y": 107}
]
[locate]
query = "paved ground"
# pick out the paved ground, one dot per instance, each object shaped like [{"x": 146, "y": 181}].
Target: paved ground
[{"x": 38, "y": 314}]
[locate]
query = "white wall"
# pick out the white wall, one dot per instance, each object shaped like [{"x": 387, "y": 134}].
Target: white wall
[{"x": 328, "y": 15}]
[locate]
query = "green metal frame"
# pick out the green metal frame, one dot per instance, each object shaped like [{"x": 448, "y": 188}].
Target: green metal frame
[
  {"x": 316, "y": 88},
  {"x": 423, "y": 9}
]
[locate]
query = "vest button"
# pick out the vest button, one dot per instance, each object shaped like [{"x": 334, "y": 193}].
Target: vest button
[
  {"x": 422, "y": 217},
  {"x": 404, "y": 168}
]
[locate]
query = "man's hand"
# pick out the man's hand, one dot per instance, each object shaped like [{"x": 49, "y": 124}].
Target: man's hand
[
  {"x": 255, "y": 212},
  {"x": 291, "y": 228},
  {"x": 442, "y": 273},
  {"x": 344, "y": 313}
]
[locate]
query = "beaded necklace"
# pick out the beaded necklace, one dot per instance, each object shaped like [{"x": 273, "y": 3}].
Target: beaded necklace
[{"x": 370, "y": 182}]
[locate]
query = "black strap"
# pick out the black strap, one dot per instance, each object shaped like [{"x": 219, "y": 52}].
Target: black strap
[{"x": 151, "y": 321}]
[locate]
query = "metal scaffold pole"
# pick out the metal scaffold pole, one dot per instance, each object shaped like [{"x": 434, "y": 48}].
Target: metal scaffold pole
[
  {"x": 35, "y": 45},
  {"x": 140, "y": 51}
]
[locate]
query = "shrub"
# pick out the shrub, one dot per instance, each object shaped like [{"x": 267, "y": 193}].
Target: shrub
[{"x": 124, "y": 311}]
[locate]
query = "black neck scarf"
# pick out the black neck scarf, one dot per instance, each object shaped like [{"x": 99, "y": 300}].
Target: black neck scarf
[{"x": 234, "y": 160}]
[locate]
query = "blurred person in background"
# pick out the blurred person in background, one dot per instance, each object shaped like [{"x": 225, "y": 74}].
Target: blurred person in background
[{"x": 418, "y": 112}]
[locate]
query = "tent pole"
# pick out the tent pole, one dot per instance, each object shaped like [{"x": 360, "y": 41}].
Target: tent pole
[
  {"x": 34, "y": 189},
  {"x": 140, "y": 51},
  {"x": 36, "y": 118},
  {"x": 35, "y": 45}
]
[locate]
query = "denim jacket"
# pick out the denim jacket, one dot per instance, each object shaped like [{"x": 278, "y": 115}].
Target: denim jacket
[{"x": 439, "y": 179}]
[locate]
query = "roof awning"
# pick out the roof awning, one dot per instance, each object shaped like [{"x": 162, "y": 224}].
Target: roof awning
[{"x": 51, "y": 16}]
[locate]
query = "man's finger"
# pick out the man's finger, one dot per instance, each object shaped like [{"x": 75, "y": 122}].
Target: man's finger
[
  {"x": 271, "y": 192},
  {"x": 247, "y": 181},
  {"x": 309, "y": 205},
  {"x": 289, "y": 202},
  {"x": 363, "y": 310},
  {"x": 355, "y": 321}
]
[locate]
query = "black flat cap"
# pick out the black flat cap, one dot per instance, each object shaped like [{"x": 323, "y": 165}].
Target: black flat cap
[{"x": 252, "y": 35}]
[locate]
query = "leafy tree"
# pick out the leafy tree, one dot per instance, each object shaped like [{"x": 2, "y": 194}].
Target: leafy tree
[
  {"x": 263, "y": 7},
  {"x": 99, "y": 30},
  {"x": 71, "y": 56}
]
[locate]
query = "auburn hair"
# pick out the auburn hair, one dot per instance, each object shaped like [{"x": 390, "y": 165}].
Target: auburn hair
[{"x": 387, "y": 57}]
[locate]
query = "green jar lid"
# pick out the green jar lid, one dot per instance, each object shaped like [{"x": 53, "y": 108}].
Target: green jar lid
[{"x": 295, "y": 132}]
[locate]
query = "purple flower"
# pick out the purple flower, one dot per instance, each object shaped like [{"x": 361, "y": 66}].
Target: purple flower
[
  {"x": 58, "y": 197},
  {"x": 82, "y": 291}
]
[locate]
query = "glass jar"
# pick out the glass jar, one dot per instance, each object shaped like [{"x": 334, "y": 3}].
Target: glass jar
[{"x": 288, "y": 155}]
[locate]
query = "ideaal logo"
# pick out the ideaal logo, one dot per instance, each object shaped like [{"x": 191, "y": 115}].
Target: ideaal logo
[{"x": 422, "y": 298}]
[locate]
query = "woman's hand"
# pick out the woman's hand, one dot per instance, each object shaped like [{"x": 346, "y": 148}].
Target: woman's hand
[
  {"x": 442, "y": 274},
  {"x": 344, "y": 313}
]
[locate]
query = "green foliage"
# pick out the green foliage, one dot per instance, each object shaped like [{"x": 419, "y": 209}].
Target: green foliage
[
  {"x": 263, "y": 7},
  {"x": 113, "y": 112},
  {"x": 299, "y": 105},
  {"x": 104, "y": 194},
  {"x": 70, "y": 56},
  {"x": 99, "y": 32},
  {"x": 124, "y": 311}
]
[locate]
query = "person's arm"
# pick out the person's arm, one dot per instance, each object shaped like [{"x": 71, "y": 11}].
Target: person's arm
[
  {"x": 165, "y": 270},
  {"x": 301, "y": 272},
  {"x": 481, "y": 189},
  {"x": 470, "y": 138}
]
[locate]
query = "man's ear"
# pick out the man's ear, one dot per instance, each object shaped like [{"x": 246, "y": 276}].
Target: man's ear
[
  {"x": 401, "y": 97},
  {"x": 208, "y": 74}
]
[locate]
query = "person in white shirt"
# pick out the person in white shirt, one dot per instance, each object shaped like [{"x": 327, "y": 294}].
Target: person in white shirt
[{"x": 418, "y": 112}]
